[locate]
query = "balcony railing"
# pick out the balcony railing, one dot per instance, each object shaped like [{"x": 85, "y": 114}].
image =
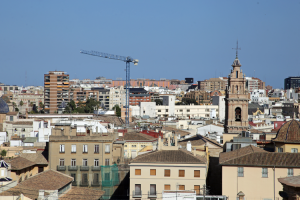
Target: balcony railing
[
  {"x": 84, "y": 168},
  {"x": 84, "y": 183},
  {"x": 61, "y": 168},
  {"x": 137, "y": 193},
  {"x": 152, "y": 194},
  {"x": 72, "y": 168},
  {"x": 95, "y": 184},
  {"x": 96, "y": 168}
]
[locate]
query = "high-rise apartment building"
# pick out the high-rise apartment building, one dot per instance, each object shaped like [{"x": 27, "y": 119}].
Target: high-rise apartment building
[
  {"x": 56, "y": 90},
  {"x": 292, "y": 82}
]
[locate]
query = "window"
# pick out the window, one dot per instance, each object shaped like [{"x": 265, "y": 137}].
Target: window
[
  {"x": 152, "y": 172},
  {"x": 11, "y": 118},
  {"x": 125, "y": 145},
  {"x": 41, "y": 169},
  {"x": 62, "y": 148},
  {"x": 181, "y": 187},
  {"x": 206, "y": 110},
  {"x": 73, "y": 162},
  {"x": 107, "y": 176},
  {"x": 133, "y": 145},
  {"x": 74, "y": 177},
  {"x": 280, "y": 150},
  {"x": 96, "y": 162},
  {"x": 96, "y": 148},
  {"x": 143, "y": 145},
  {"x": 85, "y": 149},
  {"x": 188, "y": 110},
  {"x": 84, "y": 178},
  {"x": 290, "y": 172},
  {"x": 240, "y": 171},
  {"x": 265, "y": 172},
  {"x": 137, "y": 188},
  {"x": 294, "y": 150},
  {"x": 181, "y": 173},
  {"x": 96, "y": 178},
  {"x": 158, "y": 110},
  {"x": 73, "y": 148},
  {"x": 106, "y": 162},
  {"x": 107, "y": 148},
  {"x": 61, "y": 162},
  {"x": 167, "y": 172},
  {"x": 196, "y": 173},
  {"x": 197, "y": 189},
  {"x": 236, "y": 74},
  {"x": 84, "y": 162},
  {"x": 167, "y": 187},
  {"x": 152, "y": 189},
  {"x": 137, "y": 171}
]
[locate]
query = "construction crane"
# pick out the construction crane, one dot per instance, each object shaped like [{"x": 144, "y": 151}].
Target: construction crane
[{"x": 128, "y": 60}]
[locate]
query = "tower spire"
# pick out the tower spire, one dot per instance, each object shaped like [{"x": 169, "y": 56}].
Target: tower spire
[{"x": 237, "y": 49}]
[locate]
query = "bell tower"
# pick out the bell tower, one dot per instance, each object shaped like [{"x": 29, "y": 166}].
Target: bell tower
[{"x": 236, "y": 100}]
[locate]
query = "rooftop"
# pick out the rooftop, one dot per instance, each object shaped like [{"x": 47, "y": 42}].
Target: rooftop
[{"x": 170, "y": 156}]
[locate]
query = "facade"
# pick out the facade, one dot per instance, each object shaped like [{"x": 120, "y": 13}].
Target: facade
[
  {"x": 56, "y": 90},
  {"x": 86, "y": 156},
  {"x": 254, "y": 172},
  {"x": 167, "y": 169},
  {"x": 117, "y": 97},
  {"x": 212, "y": 84},
  {"x": 201, "y": 96},
  {"x": 137, "y": 95},
  {"x": 236, "y": 101},
  {"x": 292, "y": 82}
]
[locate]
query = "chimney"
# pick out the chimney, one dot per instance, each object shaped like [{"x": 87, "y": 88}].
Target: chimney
[
  {"x": 41, "y": 194},
  {"x": 26, "y": 114},
  {"x": 159, "y": 143},
  {"x": 169, "y": 140},
  {"x": 189, "y": 146},
  {"x": 175, "y": 138},
  {"x": 195, "y": 151}
]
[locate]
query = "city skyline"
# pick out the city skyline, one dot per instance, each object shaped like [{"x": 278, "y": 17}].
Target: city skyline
[{"x": 177, "y": 39}]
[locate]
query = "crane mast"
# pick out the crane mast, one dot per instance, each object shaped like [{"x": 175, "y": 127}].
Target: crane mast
[{"x": 128, "y": 60}]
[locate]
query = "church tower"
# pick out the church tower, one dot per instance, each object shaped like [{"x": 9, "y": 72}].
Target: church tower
[{"x": 236, "y": 100}]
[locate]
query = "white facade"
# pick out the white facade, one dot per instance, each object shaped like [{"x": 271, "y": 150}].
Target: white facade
[
  {"x": 117, "y": 97},
  {"x": 3, "y": 137},
  {"x": 179, "y": 195},
  {"x": 42, "y": 130},
  {"x": 87, "y": 124},
  {"x": 169, "y": 100},
  {"x": 220, "y": 101},
  {"x": 211, "y": 128}
]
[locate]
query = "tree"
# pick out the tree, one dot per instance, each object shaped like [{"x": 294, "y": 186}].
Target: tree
[
  {"x": 41, "y": 105},
  {"x": 17, "y": 109},
  {"x": 21, "y": 103},
  {"x": 187, "y": 101},
  {"x": 14, "y": 105},
  {"x": 118, "y": 110},
  {"x": 158, "y": 102},
  {"x": 3, "y": 153}
]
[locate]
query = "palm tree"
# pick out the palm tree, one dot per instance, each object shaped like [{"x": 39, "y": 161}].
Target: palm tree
[{"x": 21, "y": 103}]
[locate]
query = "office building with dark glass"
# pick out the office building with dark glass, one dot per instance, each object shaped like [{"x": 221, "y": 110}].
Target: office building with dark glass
[{"x": 292, "y": 82}]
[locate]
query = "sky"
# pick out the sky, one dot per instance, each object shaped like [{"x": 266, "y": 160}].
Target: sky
[{"x": 171, "y": 39}]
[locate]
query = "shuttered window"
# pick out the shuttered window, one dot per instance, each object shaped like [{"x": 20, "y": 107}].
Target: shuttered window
[
  {"x": 152, "y": 172},
  {"x": 167, "y": 172},
  {"x": 196, "y": 173},
  {"x": 167, "y": 187},
  {"x": 137, "y": 171},
  {"x": 181, "y": 187},
  {"x": 181, "y": 173},
  {"x": 197, "y": 189}
]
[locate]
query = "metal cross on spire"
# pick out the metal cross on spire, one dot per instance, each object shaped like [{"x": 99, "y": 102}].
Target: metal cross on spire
[{"x": 237, "y": 48}]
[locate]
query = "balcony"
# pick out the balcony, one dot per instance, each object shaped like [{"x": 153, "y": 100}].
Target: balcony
[
  {"x": 61, "y": 168},
  {"x": 137, "y": 193},
  {"x": 74, "y": 183},
  {"x": 95, "y": 184},
  {"x": 152, "y": 194},
  {"x": 72, "y": 168},
  {"x": 84, "y": 168},
  {"x": 84, "y": 184},
  {"x": 96, "y": 168}
]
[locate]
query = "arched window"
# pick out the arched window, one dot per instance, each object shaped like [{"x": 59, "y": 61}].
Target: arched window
[
  {"x": 237, "y": 89},
  {"x": 236, "y": 74},
  {"x": 238, "y": 115}
]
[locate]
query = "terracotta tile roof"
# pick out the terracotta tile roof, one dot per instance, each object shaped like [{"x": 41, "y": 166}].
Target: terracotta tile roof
[
  {"x": 81, "y": 193},
  {"x": 21, "y": 122},
  {"x": 259, "y": 158},
  {"x": 169, "y": 156},
  {"x": 293, "y": 181},
  {"x": 19, "y": 163},
  {"x": 199, "y": 140},
  {"x": 226, "y": 156},
  {"x": 37, "y": 157},
  {"x": 289, "y": 132},
  {"x": 47, "y": 180},
  {"x": 111, "y": 119},
  {"x": 137, "y": 136}
]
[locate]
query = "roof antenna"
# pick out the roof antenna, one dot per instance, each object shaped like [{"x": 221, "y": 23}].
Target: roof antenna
[{"x": 237, "y": 49}]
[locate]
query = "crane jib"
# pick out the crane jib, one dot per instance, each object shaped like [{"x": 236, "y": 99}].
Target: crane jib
[{"x": 105, "y": 55}]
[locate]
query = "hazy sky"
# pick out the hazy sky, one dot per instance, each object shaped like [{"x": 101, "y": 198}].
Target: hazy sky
[{"x": 172, "y": 39}]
